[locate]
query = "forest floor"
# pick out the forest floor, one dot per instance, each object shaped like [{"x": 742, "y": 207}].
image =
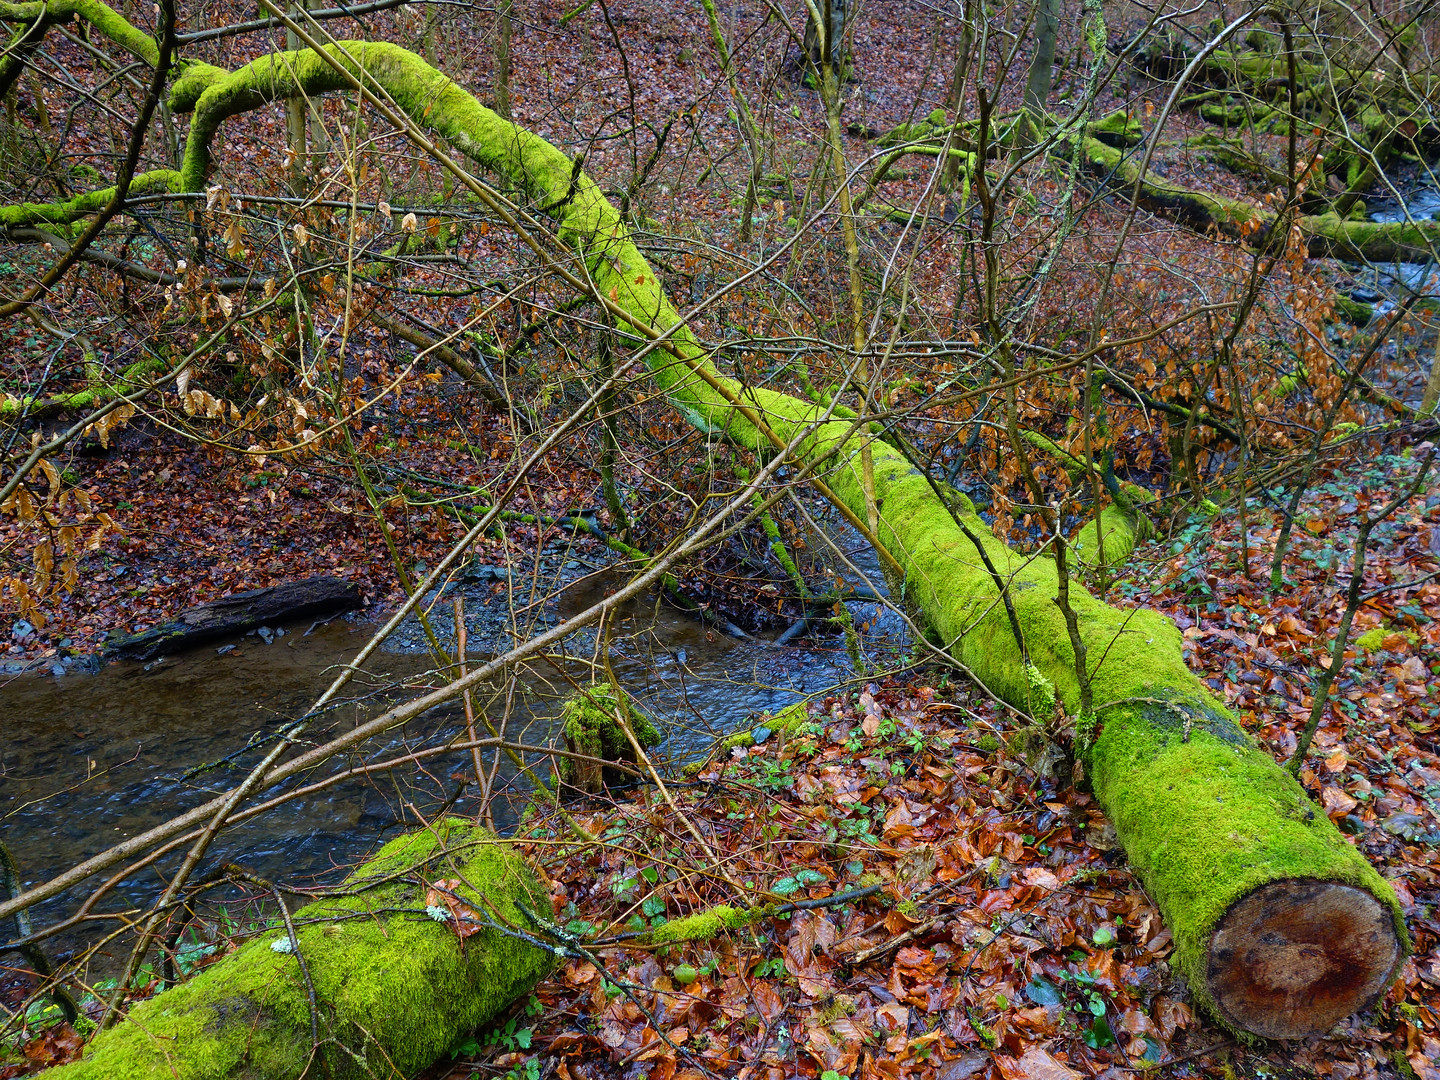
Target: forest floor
[{"x": 1009, "y": 941}]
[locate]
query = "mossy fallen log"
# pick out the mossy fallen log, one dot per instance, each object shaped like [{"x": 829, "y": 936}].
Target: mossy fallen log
[
  {"x": 393, "y": 986},
  {"x": 1326, "y": 235},
  {"x": 12, "y": 408},
  {"x": 1281, "y": 927}
]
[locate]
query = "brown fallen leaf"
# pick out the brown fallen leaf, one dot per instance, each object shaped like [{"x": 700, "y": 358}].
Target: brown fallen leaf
[
  {"x": 1336, "y": 802},
  {"x": 1037, "y": 1064},
  {"x": 464, "y": 920}
]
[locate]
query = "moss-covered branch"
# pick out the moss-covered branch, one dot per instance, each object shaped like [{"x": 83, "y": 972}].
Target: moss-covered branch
[
  {"x": 18, "y": 215},
  {"x": 1326, "y": 235},
  {"x": 394, "y": 985},
  {"x": 13, "y": 407},
  {"x": 1109, "y": 538}
]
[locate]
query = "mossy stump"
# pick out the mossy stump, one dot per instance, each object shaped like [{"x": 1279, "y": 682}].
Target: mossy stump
[
  {"x": 393, "y": 986},
  {"x": 591, "y": 724}
]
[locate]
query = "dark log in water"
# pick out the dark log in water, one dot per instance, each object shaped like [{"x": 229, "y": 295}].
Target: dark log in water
[{"x": 239, "y": 613}]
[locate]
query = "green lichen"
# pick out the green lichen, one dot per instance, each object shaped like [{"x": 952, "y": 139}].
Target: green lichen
[{"x": 394, "y": 987}]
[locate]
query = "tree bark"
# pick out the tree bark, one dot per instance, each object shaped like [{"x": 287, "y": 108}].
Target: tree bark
[
  {"x": 239, "y": 613},
  {"x": 1042, "y": 64}
]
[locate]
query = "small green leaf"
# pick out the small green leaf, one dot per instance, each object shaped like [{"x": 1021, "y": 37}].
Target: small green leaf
[
  {"x": 1043, "y": 993},
  {"x": 1104, "y": 935},
  {"x": 650, "y": 874},
  {"x": 685, "y": 974},
  {"x": 1098, "y": 1035},
  {"x": 785, "y": 886}
]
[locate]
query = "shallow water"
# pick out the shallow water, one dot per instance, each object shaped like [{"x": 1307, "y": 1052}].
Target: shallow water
[{"x": 87, "y": 760}]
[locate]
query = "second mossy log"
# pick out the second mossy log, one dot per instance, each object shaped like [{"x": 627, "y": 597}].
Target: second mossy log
[{"x": 394, "y": 984}]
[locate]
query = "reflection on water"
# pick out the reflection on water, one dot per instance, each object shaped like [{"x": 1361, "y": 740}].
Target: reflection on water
[{"x": 90, "y": 759}]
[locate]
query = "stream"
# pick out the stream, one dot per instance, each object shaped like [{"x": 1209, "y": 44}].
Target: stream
[{"x": 89, "y": 759}]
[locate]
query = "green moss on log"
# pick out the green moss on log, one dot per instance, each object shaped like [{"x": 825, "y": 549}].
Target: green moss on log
[
  {"x": 589, "y": 721},
  {"x": 1120, "y": 128},
  {"x": 394, "y": 987},
  {"x": 1326, "y": 235},
  {"x": 63, "y": 213},
  {"x": 1206, "y": 819},
  {"x": 12, "y": 407},
  {"x": 705, "y": 925}
]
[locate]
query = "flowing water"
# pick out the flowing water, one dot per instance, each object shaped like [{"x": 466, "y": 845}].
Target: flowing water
[
  {"x": 89, "y": 759},
  {"x": 1385, "y": 284}
]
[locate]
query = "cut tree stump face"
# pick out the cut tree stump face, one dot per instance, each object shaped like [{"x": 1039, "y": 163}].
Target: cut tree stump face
[{"x": 1295, "y": 957}]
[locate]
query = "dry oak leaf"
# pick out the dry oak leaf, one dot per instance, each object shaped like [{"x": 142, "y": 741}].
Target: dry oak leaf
[
  {"x": 1336, "y": 802},
  {"x": 1037, "y": 1064},
  {"x": 465, "y": 919}
]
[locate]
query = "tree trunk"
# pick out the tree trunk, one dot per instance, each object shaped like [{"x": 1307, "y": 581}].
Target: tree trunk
[
  {"x": 393, "y": 987},
  {"x": 828, "y": 45},
  {"x": 1281, "y": 927},
  {"x": 503, "y": 31},
  {"x": 1042, "y": 64}
]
